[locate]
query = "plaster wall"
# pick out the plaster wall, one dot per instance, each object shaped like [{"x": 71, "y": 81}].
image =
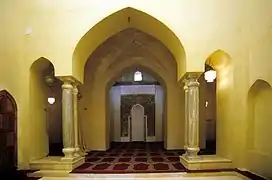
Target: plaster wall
[{"x": 53, "y": 29}]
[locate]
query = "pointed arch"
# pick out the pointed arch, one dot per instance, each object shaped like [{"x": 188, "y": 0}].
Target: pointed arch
[
  {"x": 8, "y": 116},
  {"x": 118, "y": 21},
  {"x": 4, "y": 94},
  {"x": 140, "y": 67},
  {"x": 136, "y": 106},
  {"x": 218, "y": 59},
  {"x": 41, "y": 78},
  {"x": 42, "y": 64},
  {"x": 257, "y": 95},
  {"x": 257, "y": 86}
]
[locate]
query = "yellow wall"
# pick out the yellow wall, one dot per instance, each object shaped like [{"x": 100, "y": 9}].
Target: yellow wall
[
  {"x": 242, "y": 31},
  {"x": 258, "y": 147}
]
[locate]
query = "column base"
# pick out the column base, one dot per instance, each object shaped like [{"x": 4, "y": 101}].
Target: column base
[
  {"x": 54, "y": 166},
  {"x": 69, "y": 154},
  {"x": 192, "y": 152},
  {"x": 205, "y": 162},
  {"x": 77, "y": 152}
]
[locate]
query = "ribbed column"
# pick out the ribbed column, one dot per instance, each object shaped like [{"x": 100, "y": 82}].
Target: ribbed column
[
  {"x": 68, "y": 120},
  {"x": 75, "y": 101},
  {"x": 192, "y": 116},
  {"x": 186, "y": 116}
]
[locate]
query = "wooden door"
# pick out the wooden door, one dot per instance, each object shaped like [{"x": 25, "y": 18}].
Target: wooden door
[{"x": 8, "y": 130}]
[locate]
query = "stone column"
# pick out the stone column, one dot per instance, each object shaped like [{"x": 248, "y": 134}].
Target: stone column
[
  {"x": 186, "y": 116},
  {"x": 75, "y": 101},
  {"x": 192, "y": 117},
  {"x": 68, "y": 120}
]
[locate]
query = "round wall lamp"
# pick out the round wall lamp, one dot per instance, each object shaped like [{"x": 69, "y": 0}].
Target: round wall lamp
[{"x": 210, "y": 75}]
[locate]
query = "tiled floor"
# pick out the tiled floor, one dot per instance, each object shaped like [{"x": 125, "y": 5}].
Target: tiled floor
[{"x": 133, "y": 157}]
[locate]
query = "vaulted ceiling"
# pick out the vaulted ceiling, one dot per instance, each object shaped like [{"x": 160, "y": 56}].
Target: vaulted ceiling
[{"x": 130, "y": 47}]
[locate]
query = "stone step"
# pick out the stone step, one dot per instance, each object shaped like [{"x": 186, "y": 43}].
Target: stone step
[
  {"x": 49, "y": 173},
  {"x": 206, "y": 162}
]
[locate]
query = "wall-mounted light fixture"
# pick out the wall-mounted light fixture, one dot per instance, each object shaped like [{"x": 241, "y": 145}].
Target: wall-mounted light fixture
[
  {"x": 138, "y": 76},
  {"x": 50, "y": 80},
  {"x": 206, "y": 104},
  {"x": 51, "y": 100},
  {"x": 210, "y": 75}
]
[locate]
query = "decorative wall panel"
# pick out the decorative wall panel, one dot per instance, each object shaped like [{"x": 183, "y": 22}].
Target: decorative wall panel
[{"x": 147, "y": 101}]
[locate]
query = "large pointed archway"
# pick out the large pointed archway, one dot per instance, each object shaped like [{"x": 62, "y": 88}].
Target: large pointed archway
[
  {"x": 126, "y": 18},
  {"x": 130, "y": 48}
]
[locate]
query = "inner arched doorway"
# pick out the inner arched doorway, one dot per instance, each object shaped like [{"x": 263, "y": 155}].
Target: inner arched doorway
[
  {"x": 145, "y": 95},
  {"x": 8, "y": 129}
]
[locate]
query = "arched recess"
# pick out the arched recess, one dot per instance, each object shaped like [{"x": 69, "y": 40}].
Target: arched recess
[
  {"x": 257, "y": 87},
  {"x": 43, "y": 84},
  {"x": 220, "y": 99},
  {"x": 258, "y": 132},
  {"x": 8, "y": 130},
  {"x": 141, "y": 68},
  {"x": 126, "y": 18}
]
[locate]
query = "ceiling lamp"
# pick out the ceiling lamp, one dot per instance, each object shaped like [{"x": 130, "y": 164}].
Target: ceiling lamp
[
  {"x": 138, "y": 76},
  {"x": 210, "y": 75},
  {"x": 51, "y": 100}
]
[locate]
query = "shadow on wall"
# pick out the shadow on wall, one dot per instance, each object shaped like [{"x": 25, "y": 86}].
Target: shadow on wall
[
  {"x": 259, "y": 146},
  {"x": 207, "y": 115}
]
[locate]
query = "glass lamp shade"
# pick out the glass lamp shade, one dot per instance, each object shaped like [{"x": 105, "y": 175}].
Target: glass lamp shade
[
  {"x": 138, "y": 76},
  {"x": 51, "y": 100},
  {"x": 49, "y": 80},
  {"x": 210, "y": 75}
]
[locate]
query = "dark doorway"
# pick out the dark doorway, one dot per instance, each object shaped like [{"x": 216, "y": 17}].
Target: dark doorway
[{"x": 8, "y": 130}]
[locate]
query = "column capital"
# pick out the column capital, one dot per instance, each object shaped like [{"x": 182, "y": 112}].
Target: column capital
[
  {"x": 75, "y": 89},
  {"x": 185, "y": 86},
  {"x": 188, "y": 76},
  {"x": 191, "y": 79},
  {"x": 69, "y": 80}
]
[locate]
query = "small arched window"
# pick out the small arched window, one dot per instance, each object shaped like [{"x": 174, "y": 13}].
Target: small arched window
[{"x": 138, "y": 76}]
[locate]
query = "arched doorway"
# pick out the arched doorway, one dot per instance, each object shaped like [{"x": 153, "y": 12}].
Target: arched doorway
[
  {"x": 215, "y": 89},
  {"x": 127, "y": 91},
  {"x": 8, "y": 130},
  {"x": 46, "y": 117},
  {"x": 129, "y": 50}
]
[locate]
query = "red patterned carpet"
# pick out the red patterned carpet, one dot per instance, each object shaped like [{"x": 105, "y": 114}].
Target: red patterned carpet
[{"x": 132, "y": 158}]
